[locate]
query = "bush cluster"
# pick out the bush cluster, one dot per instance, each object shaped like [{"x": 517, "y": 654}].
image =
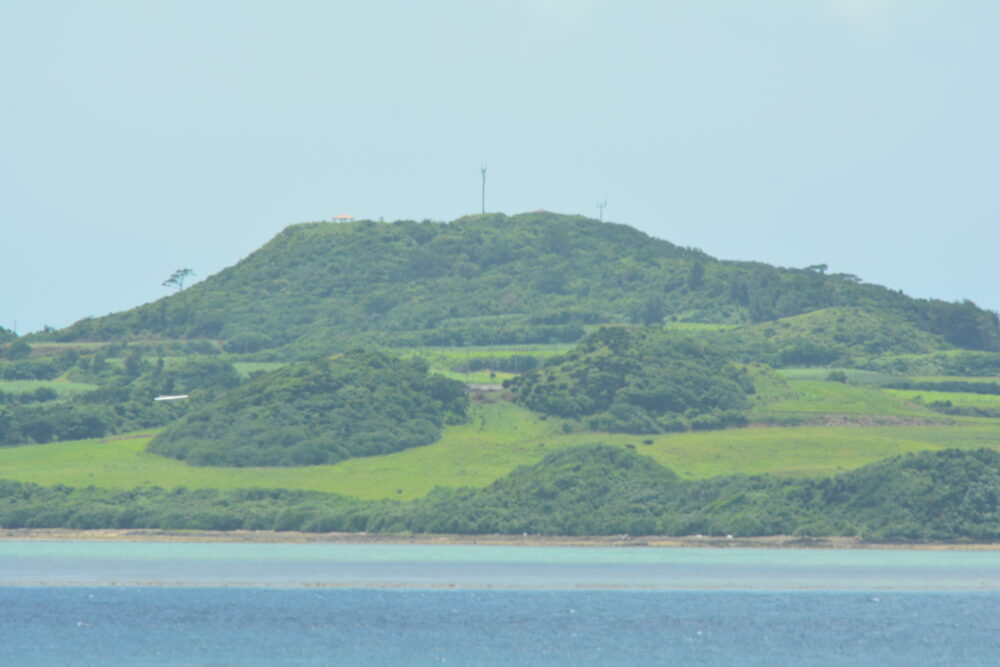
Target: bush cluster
[
  {"x": 639, "y": 381},
  {"x": 323, "y": 411}
]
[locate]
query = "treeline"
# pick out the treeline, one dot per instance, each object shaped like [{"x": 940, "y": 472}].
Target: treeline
[
  {"x": 961, "y": 386},
  {"x": 601, "y": 490},
  {"x": 323, "y": 411},
  {"x": 479, "y": 335},
  {"x": 638, "y": 380},
  {"x": 587, "y": 490},
  {"x": 315, "y": 286},
  {"x": 45, "y": 368},
  {"x": 951, "y": 362},
  {"x": 33, "y": 506},
  {"x": 515, "y": 363},
  {"x": 39, "y": 395}
]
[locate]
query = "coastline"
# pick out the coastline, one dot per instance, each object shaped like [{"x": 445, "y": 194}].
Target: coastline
[{"x": 622, "y": 541}]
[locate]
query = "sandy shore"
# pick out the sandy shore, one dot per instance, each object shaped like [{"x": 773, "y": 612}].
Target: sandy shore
[{"x": 264, "y": 536}]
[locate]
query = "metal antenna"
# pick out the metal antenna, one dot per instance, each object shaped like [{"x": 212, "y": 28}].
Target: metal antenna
[
  {"x": 482, "y": 168},
  {"x": 601, "y": 206}
]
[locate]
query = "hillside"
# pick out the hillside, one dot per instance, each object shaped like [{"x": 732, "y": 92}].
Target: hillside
[
  {"x": 842, "y": 336},
  {"x": 489, "y": 279}
]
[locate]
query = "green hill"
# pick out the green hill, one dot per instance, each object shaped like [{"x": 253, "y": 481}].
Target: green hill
[
  {"x": 639, "y": 380},
  {"x": 491, "y": 279},
  {"x": 323, "y": 411},
  {"x": 670, "y": 340}
]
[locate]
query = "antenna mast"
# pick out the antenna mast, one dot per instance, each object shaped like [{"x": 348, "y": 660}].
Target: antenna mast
[
  {"x": 601, "y": 206},
  {"x": 482, "y": 168}
]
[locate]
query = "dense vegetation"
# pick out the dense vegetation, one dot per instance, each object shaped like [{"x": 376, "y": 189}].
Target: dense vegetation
[
  {"x": 638, "y": 380},
  {"x": 124, "y": 401},
  {"x": 323, "y": 411},
  {"x": 493, "y": 279},
  {"x": 846, "y": 337},
  {"x": 601, "y": 490},
  {"x": 33, "y": 506},
  {"x": 951, "y": 362},
  {"x": 589, "y": 490}
]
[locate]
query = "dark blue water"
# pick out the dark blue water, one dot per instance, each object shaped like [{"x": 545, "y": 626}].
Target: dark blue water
[{"x": 150, "y": 625}]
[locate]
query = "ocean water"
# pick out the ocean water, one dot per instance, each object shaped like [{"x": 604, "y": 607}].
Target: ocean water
[
  {"x": 245, "y": 625},
  {"x": 316, "y": 604}
]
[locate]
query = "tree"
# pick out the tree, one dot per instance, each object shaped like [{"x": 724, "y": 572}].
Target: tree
[
  {"x": 19, "y": 350},
  {"x": 177, "y": 278},
  {"x": 696, "y": 276},
  {"x": 651, "y": 311}
]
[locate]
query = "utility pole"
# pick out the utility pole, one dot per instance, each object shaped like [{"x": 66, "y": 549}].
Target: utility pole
[
  {"x": 601, "y": 206},
  {"x": 482, "y": 168}
]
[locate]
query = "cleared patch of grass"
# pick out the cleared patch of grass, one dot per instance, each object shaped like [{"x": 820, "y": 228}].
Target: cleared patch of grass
[
  {"x": 954, "y": 397},
  {"x": 798, "y": 452},
  {"x": 816, "y": 398}
]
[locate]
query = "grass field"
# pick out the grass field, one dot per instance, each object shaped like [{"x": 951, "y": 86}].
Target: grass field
[
  {"x": 833, "y": 398},
  {"x": 954, "y": 378},
  {"x": 498, "y": 438},
  {"x": 955, "y": 397},
  {"x": 872, "y": 424}
]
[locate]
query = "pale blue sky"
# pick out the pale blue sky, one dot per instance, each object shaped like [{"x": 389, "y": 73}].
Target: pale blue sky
[{"x": 138, "y": 137}]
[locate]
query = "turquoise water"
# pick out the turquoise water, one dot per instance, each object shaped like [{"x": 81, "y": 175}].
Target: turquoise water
[
  {"x": 24, "y": 562},
  {"x": 312, "y": 604}
]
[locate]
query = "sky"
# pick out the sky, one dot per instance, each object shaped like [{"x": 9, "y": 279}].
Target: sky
[{"x": 138, "y": 137}]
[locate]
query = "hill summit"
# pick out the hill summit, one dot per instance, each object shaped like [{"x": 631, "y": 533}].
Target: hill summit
[{"x": 487, "y": 279}]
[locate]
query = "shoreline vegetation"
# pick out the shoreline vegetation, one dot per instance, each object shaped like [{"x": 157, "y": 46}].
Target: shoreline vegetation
[{"x": 444, "y": 539}]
